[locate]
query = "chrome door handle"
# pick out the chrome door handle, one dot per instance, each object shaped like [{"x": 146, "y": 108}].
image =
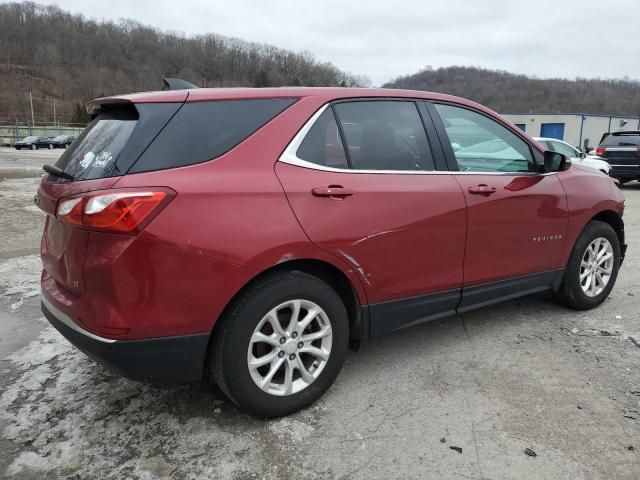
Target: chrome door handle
[
  {"x": 482, "y": 189},
  {"x": 336, "y": 192}
]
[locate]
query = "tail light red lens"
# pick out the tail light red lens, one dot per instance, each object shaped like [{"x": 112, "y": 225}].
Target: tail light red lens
[
  {"x": 600, "y": 150},
  {"x": 114, "y": 211}
]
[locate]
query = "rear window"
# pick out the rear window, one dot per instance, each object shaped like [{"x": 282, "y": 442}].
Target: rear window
[
  {"x": 96, "y": 151},
  {"x": 202, "y": 131},
  {"x": 624, "y": 140}
]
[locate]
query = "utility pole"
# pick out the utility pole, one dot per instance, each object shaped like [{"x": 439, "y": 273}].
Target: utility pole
[
  {"x": 31, "y": 101},
  {"x": 54, "y": 112}
]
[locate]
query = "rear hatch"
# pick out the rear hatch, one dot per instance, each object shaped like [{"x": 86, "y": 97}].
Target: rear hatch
[
  {"x": 106, "y": 150},
  {"x": 128, "y": 136}
]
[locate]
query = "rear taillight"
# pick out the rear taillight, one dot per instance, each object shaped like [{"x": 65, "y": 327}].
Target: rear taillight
[
  {"x": 600, "y": 151},
  {"x": 638, "y": 149},
  {"x": 114, "y": 211}
]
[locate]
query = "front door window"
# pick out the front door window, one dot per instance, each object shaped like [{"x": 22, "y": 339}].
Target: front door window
[{"x": 483, "y": 145}]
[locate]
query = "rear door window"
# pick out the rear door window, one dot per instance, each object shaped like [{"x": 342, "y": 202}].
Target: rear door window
[
  {"x": 202, "y": 131},
  {"x": 322, "y": 145},
  {"x": 384, "y": 135}
]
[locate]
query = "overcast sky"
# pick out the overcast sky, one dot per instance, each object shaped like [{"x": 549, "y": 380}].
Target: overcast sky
[{"x": 385, "y": 39}]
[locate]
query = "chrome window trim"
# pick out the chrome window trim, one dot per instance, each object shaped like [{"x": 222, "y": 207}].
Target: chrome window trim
[
  {"x": 64, "y": 318},
  {"x": 289, "y": 156}
]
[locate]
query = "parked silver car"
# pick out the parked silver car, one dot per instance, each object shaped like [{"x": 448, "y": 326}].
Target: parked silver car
[{"x": 574, "y": 154}]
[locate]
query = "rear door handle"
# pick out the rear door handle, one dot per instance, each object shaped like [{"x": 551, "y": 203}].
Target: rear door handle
[
  {"x": 482, "y": 189},
  {"x": 332, "y": 191}
]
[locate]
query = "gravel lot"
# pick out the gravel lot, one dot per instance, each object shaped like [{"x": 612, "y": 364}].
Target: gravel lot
[{"x": 525, "y": 374}]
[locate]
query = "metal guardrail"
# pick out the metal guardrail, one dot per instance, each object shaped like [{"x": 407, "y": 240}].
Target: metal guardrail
[{"x": 10, "y": 133}]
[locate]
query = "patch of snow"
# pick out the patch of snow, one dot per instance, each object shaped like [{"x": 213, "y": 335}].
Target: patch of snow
[
  {"x": 70, "y": 417},
  {"x": 33, "y": 209},
  {"x": 289, "y": 429},
  {"x": 29, "y": 460},
  {"x": 19, "y": 188},
  {"x": 20, "y": 278}
]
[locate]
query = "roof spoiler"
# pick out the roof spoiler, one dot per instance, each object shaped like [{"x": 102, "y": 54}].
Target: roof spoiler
[{"x": 177, "y": 84}]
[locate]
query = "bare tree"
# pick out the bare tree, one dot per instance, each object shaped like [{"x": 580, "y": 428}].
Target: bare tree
[{"x": 73, "y": 59}]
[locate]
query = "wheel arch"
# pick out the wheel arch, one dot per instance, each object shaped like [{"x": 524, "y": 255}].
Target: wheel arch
[
  {"x": 334, "y": 277},
  {"x": 612, "y": 218}
]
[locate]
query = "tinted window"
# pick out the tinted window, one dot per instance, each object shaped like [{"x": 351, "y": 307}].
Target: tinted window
[
  {"x": 95, "y": 152},
  {"x": 481, "y": 144},
  {"x": 322, "y": 144},
  {"x": 384, "y": 135},
  {"x": 614, "y": 140},
  {"x": 201, "y": 131},
  {"x": 564, "y": 149}
]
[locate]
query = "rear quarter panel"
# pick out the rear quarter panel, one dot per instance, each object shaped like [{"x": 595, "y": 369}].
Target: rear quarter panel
[{"x": 232, "y": 210}]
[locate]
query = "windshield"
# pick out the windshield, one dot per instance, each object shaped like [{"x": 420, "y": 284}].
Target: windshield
[{"x": 29, "y": 139}]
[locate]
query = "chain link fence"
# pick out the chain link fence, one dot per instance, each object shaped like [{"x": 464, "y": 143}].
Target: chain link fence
[{"x": 11, "y": 132}]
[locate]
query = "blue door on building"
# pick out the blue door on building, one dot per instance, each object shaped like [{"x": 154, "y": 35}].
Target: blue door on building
[
  {"x": 522, "y": 126},
  {"x": 552, "y": 130}
]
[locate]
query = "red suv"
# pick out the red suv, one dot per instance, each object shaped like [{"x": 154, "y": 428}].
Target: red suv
[{"x": 253, "y": 235}]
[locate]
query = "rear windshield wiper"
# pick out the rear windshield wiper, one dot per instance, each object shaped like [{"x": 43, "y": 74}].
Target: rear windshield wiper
[{"x": 57, "y": 172}]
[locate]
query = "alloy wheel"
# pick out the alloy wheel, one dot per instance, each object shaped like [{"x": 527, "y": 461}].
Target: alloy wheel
[
  {"x": 596, "y": 267},
  {"x": 290, "y": 347}
]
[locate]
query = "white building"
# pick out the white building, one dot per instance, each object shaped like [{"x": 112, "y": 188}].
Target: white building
[{"x": 574, "y": 128}]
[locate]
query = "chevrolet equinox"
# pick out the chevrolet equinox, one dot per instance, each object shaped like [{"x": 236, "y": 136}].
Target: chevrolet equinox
[{"x": 253, "y": 235}]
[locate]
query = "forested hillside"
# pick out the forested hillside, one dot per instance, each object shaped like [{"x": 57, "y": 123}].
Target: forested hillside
[
  {"x": 72, "y": 59},
  {"x": 66, "y": 57},
  {"x": 510, "y": 93}
]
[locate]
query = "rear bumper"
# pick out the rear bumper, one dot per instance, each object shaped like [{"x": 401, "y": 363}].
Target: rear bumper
[
  {"x": 178, "y": 359},
  {"x": 625, "y": 172}
]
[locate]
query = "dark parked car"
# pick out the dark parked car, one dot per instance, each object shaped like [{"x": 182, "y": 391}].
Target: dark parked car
[
  {"x": 255, "y": 234},
  {"x": 63, "y": 141},
  {"x": 622, "y": 151},
  {"x": 34, "y": 143}
]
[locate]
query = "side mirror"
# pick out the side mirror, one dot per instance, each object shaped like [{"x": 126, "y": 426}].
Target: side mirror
[{"x": 554, "y": 161}]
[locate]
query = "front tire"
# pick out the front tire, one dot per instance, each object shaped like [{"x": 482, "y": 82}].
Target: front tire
[
  {"x": 592, "y": 269},
  {"x": 34, "y": 147},
  {"x": 281, "y": 345}
]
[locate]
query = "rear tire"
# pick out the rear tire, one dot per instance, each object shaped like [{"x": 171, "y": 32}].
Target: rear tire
[
  {"x": 589, "y": 263},
  {"x": 50, "y": 147},
  {"x": 34, "y": 147},
  {"x": 249, "y": 333}
]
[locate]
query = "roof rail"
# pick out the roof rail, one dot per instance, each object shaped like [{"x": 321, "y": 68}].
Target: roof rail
[{"x": 177, "y": 84}]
